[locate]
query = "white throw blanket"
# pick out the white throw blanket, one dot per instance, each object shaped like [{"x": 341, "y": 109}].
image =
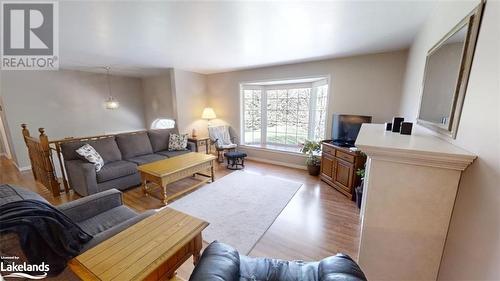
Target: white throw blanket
[{"x": 220, "y": 135}]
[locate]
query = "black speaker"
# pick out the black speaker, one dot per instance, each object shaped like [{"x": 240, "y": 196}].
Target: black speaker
[
  {"x": 396, "y": 124},
  {"x": 388, "y": 126},
  {"x": 406, "y": 128}
]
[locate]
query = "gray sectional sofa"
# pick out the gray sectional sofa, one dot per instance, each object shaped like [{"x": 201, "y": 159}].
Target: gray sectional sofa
[{"x": 122, "y": 154}]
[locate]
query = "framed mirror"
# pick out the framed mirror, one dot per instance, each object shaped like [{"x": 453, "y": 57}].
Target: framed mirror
[{"x": 446, "y": 75}]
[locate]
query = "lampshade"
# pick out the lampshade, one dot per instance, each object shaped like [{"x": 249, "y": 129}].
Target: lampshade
[{"x": 208, "y": 113}]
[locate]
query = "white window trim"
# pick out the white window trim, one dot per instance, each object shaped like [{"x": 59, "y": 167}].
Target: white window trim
[{"x": 325, "y": 80}]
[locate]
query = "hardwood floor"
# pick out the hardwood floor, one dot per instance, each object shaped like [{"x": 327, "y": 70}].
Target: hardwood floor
[{"x": 318, "y": 221}]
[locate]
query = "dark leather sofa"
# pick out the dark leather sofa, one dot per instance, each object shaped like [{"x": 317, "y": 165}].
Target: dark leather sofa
[
  {"x": 221, "y": 262},
  {"x": 122, "y": 154}
]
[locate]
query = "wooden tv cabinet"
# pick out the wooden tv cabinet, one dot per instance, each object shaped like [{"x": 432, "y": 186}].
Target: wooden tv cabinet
[{"x": 339, "y": 166}]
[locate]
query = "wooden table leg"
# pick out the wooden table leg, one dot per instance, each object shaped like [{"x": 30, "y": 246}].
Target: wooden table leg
[
  {"x": 212, "y": 172},
  {"x": 165, "y": 197},
  {"x": 144, "y": 187},
  {"x": 198, "y": 244}
]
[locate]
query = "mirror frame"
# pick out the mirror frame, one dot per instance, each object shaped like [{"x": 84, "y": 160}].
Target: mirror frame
[{"x": 473, "y": 21}]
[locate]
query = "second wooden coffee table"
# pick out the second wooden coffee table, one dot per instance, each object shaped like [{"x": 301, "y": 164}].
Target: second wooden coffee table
[
  {"x": 173, "y": 169},
  {"x": 152, "y": 249}
]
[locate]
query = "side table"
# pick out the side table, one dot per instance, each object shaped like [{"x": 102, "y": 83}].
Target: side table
[{"x": 200, "y": 140}]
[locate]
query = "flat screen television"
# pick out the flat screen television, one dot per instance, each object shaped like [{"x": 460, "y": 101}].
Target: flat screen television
[{"x": 345, "y": 128}]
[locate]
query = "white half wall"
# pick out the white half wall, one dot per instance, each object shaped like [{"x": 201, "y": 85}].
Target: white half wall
[
  {"x": 472, "y": 250},
  {"x": 67, "y": 103}
]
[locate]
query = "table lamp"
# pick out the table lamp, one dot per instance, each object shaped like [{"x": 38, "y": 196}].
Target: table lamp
[{"x": 208, "y": 114}]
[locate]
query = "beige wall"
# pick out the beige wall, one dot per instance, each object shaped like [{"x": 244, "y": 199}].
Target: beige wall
[
  {"x": 2, "y": 145},
  {"x": 5, "y": 136},
  {"x": 368, "y": 85},
  {"x": 472, "y": 250},
  {"x": 190, "y": 97},
  {"x": 158, "y": 98},
  {"x": 67, "y": 103}
]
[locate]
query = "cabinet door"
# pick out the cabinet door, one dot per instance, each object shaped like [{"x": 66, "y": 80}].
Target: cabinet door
[
  {"x": 327, "y": 166},
  {"x": 343, "y": 174}
]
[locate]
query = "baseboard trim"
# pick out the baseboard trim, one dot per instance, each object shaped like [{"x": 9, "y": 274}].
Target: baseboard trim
[
  {"x": 22, "y": 169},
  {"x": 279, "y": 163}
]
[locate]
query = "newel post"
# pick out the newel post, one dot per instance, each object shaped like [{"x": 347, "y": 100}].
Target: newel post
[
  {"x": 49, "y": 168},
  {"x": 26, "y": 134}
]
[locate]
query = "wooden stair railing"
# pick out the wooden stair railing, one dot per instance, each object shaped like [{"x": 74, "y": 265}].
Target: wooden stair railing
[{"x": 40, "y": 155}]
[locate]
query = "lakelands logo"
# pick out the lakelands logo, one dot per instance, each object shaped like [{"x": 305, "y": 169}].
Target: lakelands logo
[
  {"x": 30, "y": 36},
  {"x": 10, "y": 268}
]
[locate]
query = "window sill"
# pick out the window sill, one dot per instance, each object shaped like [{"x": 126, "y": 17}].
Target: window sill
[{"x": 275, "y": 148}]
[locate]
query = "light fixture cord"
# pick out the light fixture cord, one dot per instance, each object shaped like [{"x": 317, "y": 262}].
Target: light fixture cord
[{"x": 109, "y": 83}]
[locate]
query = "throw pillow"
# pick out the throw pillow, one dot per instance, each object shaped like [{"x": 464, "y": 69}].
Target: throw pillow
[
  {"x": 177, "y": 142},
  {"x": 89, "y": 153}
]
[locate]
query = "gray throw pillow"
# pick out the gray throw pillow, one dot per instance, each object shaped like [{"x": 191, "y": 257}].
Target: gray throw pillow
[
  {"x": 89, "y": 153},
  {"x": 177, "y": 142}
]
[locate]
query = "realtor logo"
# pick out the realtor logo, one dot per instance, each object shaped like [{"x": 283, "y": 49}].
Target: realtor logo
[
  {"x": 11, "y": 268},
  {"x": 29, "y": 36}
]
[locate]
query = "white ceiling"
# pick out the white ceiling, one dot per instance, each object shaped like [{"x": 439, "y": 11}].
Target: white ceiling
[{"x": 139, "y": 37}]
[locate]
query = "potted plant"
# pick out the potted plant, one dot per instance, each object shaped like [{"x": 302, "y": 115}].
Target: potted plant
[
  {"x": 312, "y": 149},
  {"x": 359, "y": 189}
]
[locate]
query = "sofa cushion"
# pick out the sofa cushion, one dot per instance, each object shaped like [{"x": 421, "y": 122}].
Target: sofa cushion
[
  {"x": 107, "y": 219},
  {"x": 106, "y": 147},
  {"x": 115, "y": 170},
  {"x": 9, "y": 193},
  {"x": 145, "y": 159},
  {"x": 89, "y": 153},
  {"x": 159, "y": 138},
  {"x": 121, "y": 183},
  {"x": 135, "y": 144},
  {"x": 171, "y": 154},
  {"x": 177, "y": 142},
  {"x": 110, "y": 232}
]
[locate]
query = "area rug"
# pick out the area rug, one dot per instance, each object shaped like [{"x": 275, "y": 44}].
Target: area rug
[{"x": 240, "y": 207}]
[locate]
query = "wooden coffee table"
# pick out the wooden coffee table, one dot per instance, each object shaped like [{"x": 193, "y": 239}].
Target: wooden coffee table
[
  {"x": 152, "y": 249},
  {"x": 172, "y": 169}
]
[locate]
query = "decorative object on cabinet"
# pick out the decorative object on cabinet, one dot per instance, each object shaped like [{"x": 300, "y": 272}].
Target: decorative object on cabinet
[
  {"x": 339, "y": 166},
  {"x": 388, "y": 126},
  {"x": 406, "y": 128},
  {"x": 396, "y": 124},
  {"x": 313, "y": 161}
]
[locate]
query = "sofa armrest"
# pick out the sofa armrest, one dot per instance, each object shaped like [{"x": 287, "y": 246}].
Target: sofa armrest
[
  {"x": 191, "y": 146},
  {"x": 82, "y": 177},
  {"x": 340, "y": 267},
  {"x": 92, "y": 205},
  {"x": 108, "y": 233},
  {"x": 218, "y": 262}
]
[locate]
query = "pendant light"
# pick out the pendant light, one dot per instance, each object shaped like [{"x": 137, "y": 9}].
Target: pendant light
[{"x": 111, "y": 102}]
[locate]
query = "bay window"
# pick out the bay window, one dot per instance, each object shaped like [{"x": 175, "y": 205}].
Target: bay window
[{"x": 283, "y": 114}]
